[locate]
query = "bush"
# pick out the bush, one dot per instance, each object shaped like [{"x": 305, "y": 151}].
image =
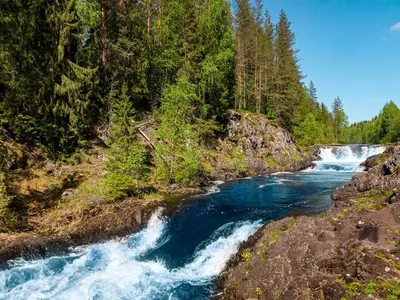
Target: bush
[{"x": 115, "y": 186}]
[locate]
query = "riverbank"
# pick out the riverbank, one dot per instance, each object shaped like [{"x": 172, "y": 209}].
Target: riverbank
[
  {"x": 60, "y": 205},
  {"x": 349, "y": 252}
]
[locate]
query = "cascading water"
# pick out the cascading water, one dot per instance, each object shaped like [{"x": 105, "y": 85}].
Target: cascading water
[
  {"x": 179, "y": 256},
  {"x": 346, "y": 158},
  {"x": 117, "y": 270}
]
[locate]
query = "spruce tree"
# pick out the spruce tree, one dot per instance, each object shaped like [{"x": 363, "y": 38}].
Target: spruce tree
[
  {"x": 288, "y": 88},
  {"x": 269, "y": 66},
  {"x": 312, "y": 92},
  {"x": 339, "y": 119}
]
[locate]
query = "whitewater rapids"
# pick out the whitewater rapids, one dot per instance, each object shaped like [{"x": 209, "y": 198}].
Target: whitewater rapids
[
  {"x": 115, "y": 270},
  {"x": 345, "y": 158}
]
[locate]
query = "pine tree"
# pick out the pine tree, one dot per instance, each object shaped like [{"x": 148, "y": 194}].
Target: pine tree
[
  {"x": 312, "y": 92},
  {"x": 339, "y": 119},
  {"x": 269, "y": 68},
  {"x": 216, "y": 77},
  {"x": 126, "y": 157},
  {"x": 288, "y": 88},
  {"x": 244, "y": 53}
]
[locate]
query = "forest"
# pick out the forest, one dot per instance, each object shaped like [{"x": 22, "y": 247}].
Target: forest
[
  {"x": 70, "y": 68},
  {"x": 383, "y": 129}
]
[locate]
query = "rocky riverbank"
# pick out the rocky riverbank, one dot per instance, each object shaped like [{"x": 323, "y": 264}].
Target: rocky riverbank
[
  {"x": 254, "y": 146},
  {"x": 60, "y": 205},
  {"x": 350, "y": 252}
]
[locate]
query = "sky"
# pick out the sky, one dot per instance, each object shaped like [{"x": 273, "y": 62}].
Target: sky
[{"x": 348, "y": 48}]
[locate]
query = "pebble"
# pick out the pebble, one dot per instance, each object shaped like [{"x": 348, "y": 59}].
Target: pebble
[
  {"x": 360, "y": 222},
  {"x": 387, "y": 269}
]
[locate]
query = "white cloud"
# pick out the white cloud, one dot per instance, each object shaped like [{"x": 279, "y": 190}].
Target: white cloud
[{"x": 395, "y": 27}]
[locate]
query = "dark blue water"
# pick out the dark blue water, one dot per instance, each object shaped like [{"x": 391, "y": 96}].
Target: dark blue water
[{"x": 177, "y": 256}]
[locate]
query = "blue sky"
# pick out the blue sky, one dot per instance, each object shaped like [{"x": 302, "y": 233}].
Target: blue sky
[{"x": 349, "y": 48}]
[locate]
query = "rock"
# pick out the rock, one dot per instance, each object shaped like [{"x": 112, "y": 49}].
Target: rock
[
  {"x": 316, "y": 258},
  {"x": 253, "y": 146},
  {"x": 65, "y": 194}
]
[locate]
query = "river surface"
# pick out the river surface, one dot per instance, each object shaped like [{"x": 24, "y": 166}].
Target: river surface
[{"x": 179, "y": 255}]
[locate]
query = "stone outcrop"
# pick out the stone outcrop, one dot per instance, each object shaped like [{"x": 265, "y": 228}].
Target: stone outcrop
[
  {"x": 254, "y": 146},
  {"x": 350, "y": 252}
]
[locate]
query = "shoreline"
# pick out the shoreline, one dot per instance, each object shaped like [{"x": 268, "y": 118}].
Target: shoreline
[
  {"x": 338, "y": 254},
  {"x": 32, "y": 245}
]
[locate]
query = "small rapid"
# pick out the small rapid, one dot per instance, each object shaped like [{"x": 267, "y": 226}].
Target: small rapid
[{"x": 346, "y": 158}]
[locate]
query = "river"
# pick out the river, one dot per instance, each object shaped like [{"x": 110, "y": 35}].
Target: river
[{"x": 179, "y": 254}]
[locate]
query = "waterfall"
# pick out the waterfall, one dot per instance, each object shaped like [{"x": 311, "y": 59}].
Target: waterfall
[{"x": 345, "y": 158}]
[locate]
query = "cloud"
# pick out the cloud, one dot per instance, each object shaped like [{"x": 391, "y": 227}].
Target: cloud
[{"x": 395, "y": 27}]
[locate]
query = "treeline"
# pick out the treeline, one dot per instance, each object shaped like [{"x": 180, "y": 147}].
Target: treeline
[
  {"x": 68, "y": 67},
  {"x": 269, "y": 80},
  {"x": 384, "y": 128}
]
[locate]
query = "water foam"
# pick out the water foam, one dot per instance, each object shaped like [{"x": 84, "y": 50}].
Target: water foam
[
  {"x": 115, "y": 270},
  {"x": 345, "y": 158}
]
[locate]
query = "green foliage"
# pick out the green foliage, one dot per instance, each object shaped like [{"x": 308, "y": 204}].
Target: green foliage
[
  {"x": 126, "y": 157},
  {"x": 177, "y": 153},
  {"x": 5, "y": 195},
  {"x": 309, "y": 132},
  {"x": 385, "y": 289},
  {"x": 340, "y": 121},
  {"x": 116, "y": 186},
  {"x": 385, "y": 128}
]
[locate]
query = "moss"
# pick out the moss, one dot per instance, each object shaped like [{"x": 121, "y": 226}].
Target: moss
[
  {"x": 274, "y": 235},
  {"x": 391, "y": 260},
  {"x": 370, "y": 203},
  {"x": 296, "y": 156},
  {"x": 323, "y": 215},
  {"x": 387, "y": 289},
  {"x": 153, "y": 196},
  {"x": 262, "y": 252},
  {"x": 271, "y": 162},
  {"x": 259, "y": 291}
]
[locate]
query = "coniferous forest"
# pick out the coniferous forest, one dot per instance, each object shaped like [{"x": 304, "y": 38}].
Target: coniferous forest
[{"x": 72, "y": 68}]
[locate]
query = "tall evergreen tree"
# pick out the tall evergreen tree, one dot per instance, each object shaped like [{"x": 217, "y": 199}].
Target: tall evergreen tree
[
  {"x": 269, "y": 65},
  {"x": 312, "y": 92},
  {"x": 245, "y": 25},
  {"x": 339, "y": 119},
  {"x": 288, "y": 89}
]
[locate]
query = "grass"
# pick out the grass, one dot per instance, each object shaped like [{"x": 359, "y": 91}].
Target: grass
[
  {"x": 273, "y": 236},
  {"x": 370, "y": 203},
  {"x": 388, "y": 289}
]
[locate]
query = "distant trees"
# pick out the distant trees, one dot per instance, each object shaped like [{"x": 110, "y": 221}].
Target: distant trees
[{"x": 384, "y": 128}]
